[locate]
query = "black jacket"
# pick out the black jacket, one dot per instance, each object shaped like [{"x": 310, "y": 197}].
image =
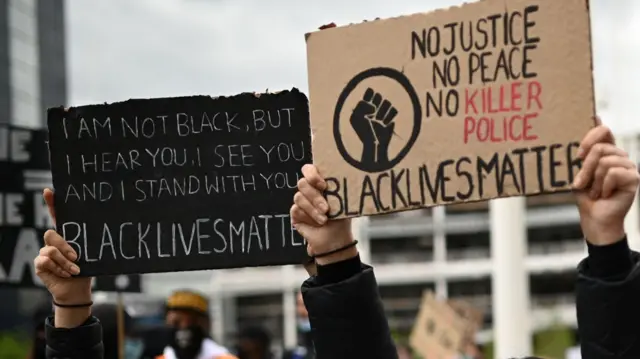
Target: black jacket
[
  {"x": 344, "y": 308},
  {"x": 346, "y": 313},
  {"x": 608, "y": 303},
  {"x": 84, "y": 342}
]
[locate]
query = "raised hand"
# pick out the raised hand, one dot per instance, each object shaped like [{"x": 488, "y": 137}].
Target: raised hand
[
  {"x": 309, "y": 216},
  {"x": 373, "y": 121},
  {"x": 605, "y": 187},
  {"x": 55, "y": 266}
]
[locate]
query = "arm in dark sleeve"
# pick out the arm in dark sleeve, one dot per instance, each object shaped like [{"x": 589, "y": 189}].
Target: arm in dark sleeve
[
  {"x": 83, "y": 342},
  {"x": 346, "y": 313},
  {"x": 608, "y": 302}
]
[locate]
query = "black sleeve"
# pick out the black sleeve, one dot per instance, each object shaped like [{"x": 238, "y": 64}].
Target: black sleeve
[
  {"x": 83, "y": 342},
  {"x": 608, "y": 302},
  {"x": 346, "y": 313}
]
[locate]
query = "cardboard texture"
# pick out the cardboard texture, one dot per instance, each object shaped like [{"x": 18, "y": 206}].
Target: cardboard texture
[
  {"x": 439, "y": 331},
  {"x": 185, "y": 183},
  {"x": 473, "y": 317},
  {"x": 488, "y": 99}
]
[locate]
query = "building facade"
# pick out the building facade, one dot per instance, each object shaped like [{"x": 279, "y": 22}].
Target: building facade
[
  {"x": 32, "y": 78},
  {"x": 33, "y": 73}
]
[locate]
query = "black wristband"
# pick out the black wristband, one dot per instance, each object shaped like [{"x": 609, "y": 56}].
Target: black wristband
[
  {"x": 82, "y": 305},
  {"x": 352, "y": 244}
]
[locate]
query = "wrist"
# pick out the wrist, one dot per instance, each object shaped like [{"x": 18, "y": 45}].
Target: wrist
[
  {"x": 599, "y": 235},
  {"x": 343, "y": 255}
]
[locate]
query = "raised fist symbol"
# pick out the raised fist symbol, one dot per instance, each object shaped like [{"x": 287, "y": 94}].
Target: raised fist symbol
[{"x": 372, "y": 119}]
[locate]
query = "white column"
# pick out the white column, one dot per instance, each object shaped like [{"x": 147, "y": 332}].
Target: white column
[
  {"x": 439, "y": 234},
  {"x": 289, "y": 308},
  {"x": 511, "y": 308},
  {"x": 360, "y": 232},
  {"x": 24, "y": 63},
  {"x": 216, "y": 307},
  {"x": 632, "y": 220}
]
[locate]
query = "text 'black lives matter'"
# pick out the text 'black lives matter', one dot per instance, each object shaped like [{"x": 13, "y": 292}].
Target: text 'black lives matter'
[
  {"x": 24, "y": 173},
  {"x": 179, "y": 184}
]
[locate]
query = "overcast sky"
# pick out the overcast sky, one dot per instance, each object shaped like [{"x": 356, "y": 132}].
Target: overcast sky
[{"x": 121, "y": 49}]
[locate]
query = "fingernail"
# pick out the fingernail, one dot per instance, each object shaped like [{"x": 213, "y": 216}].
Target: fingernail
[
  {"x": 323, "y": 206},
  {"x": 577, "y": 182},
  {"x": 72, "y": 255},
  {"x": 321, "y": 218},
  {"x": 74, "y": 269}
]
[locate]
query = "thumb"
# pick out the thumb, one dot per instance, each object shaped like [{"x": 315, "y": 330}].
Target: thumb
[
  {"x": 304, "y": 229},
  {"x": 582, "y": 199}
]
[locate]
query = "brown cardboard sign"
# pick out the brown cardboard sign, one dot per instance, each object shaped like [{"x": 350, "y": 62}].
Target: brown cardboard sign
[
  {"x": 485, "y": 100},
  {"x": 438, "y": 331}
]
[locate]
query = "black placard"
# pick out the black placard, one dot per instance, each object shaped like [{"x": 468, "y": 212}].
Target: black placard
[
  {"x": 179, "y": 184},
  {"x": 24, "y": 172}
]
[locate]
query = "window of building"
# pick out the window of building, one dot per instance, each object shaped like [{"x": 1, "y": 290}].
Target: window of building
[
  {"x": 551, "y": 289},
  {"x": 402, "y": 249},
  {"x": 468, "y": 246},
  {"x": 555, "y": 239}
]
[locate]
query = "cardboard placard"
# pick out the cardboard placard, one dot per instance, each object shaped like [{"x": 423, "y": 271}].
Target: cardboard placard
[
  {"x": 473, "y": 317},
  {"x": 180, "y": 184},
  {"x": 438, "y": 331},
  {"x": 484, "y": 100}
]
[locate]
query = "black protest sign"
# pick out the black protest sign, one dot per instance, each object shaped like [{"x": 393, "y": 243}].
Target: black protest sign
[
  {"x": 183, "y": 183},
  {"x": 24, "y": 165}
]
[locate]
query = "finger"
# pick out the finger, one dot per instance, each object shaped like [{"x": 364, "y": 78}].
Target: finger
[
  {"x": 598, "y": 121},
  {"x": 47, "y": 265},
  {"x": 59, "y": 259},
  {"x": 314, "y": 196},
  {"x": 382, "y": 111},
  {"x": 377, "y": 100},
  {"x": 599, "y": 134},
  {"x": 52, "y": 238},
  {"x": 311, "y": 174},
  {"x": 48, "y": 199},
  {"x": 586, "y": 173},
  {"x": 619, "y": 178},
  {"x": 305, "y": 205},
  {"x": 299, "y": 216},
  {"x": 604, "y": 164},
  {"x": 390, "y": 116},
  {"x": 368, "y": 95}
]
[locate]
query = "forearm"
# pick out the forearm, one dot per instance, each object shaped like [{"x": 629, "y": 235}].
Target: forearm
[{"x": 71, "y": 317}]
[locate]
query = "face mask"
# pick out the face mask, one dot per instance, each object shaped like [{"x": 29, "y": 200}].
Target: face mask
[
  {"x": 187, "y": 342},
  {"x": 304, "y": 325},
  {"x": 133, "y": 348}
]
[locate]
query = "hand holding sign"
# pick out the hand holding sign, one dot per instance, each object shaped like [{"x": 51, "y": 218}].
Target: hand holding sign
[
  {"x": 606, "y": 184},
  {"x": 55, "y": 266},
  {"x": 308, "y": 215},
  {"x": 372, "y": 120}
]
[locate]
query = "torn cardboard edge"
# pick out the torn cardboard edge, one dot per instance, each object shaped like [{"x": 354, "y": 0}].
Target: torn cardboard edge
[
  {"x": 332, "y": 25},
  {"x": 222, "y": 97}
]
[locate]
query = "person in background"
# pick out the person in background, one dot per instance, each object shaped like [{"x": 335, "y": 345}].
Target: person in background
[
  {"x": 39, "y": 344},
  {"x": 107, "y": 314},
  {"x": 254, "y": 343},
  {"x": 188, "y": 317},
  {"x": 304, "y": 350}
]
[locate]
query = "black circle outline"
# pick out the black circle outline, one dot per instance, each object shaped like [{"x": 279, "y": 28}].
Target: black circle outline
[{"x": 417, "y": 115}]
